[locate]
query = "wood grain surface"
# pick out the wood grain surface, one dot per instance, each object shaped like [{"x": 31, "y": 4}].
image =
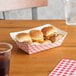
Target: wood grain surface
[
  {"x": 6, "y": 5},
  {"x": 40, "y": 64}
]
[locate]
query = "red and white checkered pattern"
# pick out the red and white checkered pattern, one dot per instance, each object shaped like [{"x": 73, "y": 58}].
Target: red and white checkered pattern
[
  {"x": 30, "y": 49},
  {"x": 66, "y": 67}
]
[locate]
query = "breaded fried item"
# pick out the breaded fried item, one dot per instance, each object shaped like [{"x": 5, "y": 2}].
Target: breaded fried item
[{"x": 56, "y": 38}]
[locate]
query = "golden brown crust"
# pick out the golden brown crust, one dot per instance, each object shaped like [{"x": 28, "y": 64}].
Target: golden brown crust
[
  {"x": 46, "y": 42},
  {"x": 36, "y": 35},
  {"x": 56, "y": 38},
  {"x": 35, "y": 43},
  {"x": 22, "y": 37},
  {"x": 48, "y": 31}
]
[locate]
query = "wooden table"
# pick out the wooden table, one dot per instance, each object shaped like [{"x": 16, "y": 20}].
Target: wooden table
[{"x": 40, "y": 64}]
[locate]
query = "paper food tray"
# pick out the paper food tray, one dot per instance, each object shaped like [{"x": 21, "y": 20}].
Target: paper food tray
[{"x": 30, "y": 49}]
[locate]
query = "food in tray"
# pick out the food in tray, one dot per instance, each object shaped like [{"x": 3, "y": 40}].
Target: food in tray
[
  {"x": 45, "y": 36},
  {"x": 56, "y": 38},
  {"x": 35, "y": 43},
  {"x": 49, "y": 32},
  {"x": 46, "y": 42},
  {"x": 23, "y": 37},
  {"x": 36, "y": 35}
]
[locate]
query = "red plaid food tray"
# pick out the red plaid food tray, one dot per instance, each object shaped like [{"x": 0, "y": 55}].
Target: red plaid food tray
[
  {"x": 66, "y": 67},
  {"x": 30, "y": 49}
]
